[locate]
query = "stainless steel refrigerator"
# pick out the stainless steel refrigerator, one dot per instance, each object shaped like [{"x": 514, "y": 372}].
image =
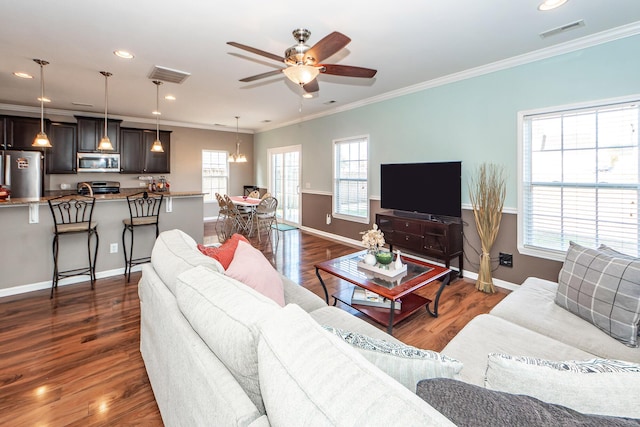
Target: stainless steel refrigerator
[{"x": 23, "y": 173}]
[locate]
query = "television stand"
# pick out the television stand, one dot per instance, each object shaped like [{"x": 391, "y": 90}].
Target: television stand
[{"x": 433, "y": 238}]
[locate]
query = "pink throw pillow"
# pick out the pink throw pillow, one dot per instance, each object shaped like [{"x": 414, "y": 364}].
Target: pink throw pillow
[{"x": 250, "y": 267}]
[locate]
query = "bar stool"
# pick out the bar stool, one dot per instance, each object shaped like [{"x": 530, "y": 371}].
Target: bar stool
[
  {"x": 73, "y": 215},
  {"x": 144, "y": 210}
]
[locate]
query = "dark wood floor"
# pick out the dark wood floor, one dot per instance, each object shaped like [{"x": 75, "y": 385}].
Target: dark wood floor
[{"x": 75, "y": 361}]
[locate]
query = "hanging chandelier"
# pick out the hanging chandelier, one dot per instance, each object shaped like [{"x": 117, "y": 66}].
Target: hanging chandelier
[{"x": 237, "y": 157}]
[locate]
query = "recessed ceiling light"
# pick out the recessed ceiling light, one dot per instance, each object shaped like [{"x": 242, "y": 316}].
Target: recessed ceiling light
[
  {"x": 551, "y": 4},
  {"x": 22, "y": 75},
  {"x": 156, "y": 113},
  {"x": 123, "y": 54},
  {"x": 44, "y": 99},
  {"x": 307, "y": 95},
  {"x": 170, "y": 98}
]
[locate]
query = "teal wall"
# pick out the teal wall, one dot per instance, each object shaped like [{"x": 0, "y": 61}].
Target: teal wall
[{"x": 472, "y": 120}]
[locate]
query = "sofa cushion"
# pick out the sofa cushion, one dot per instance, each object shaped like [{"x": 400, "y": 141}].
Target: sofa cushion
[
  {"x": 468, "y": 405},
  {"x": 225, "y": 312},
  {"x": 175, "y": 252},
  {"x": 250, "y": 267},
  {"x": 602, "y": 289},
  {"x": 405, "y": 363},
  {"x": 225, "y": 252},
  {"x": 486, "y": 334},
  {"x": 533, "y": 306},
  {"x": 308, "y": 377},
  {"x": 586, "y": 386}
]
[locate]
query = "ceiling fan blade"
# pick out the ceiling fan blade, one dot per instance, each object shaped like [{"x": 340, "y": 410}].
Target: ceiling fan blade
[
  {"x": 257, "y": 51},
  {"x": 312, "y": 86},
  {"x": 261, "y": 76},
  {"x": 327, "y": 46},
  {"x": 348, "y": 70}
]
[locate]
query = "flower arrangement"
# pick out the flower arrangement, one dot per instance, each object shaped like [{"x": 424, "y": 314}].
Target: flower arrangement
[{"x": 373, "y": 239}]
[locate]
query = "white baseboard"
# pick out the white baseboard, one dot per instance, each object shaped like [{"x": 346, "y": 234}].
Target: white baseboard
[{"x": 30, "y": 287}]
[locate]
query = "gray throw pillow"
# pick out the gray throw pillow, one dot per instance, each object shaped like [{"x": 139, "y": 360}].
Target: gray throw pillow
[
  {"x": 603, "y": 289},
  {"x": 469, "y": 405}
]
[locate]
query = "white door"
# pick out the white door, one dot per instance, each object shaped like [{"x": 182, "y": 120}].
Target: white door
[{"x": 284, "y": 182}]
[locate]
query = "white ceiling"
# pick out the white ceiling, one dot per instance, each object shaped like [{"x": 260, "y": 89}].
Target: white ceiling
[{"x": 409, "y": 42}]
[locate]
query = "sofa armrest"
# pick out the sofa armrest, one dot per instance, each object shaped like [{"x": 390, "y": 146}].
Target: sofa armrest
[{"x": 297, "y": 294}]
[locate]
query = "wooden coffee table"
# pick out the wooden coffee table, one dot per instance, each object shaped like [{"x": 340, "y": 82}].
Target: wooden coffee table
[{"x": 402, "y": 287}]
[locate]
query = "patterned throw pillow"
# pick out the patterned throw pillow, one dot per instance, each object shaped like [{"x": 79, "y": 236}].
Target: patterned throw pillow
[
  {"x": 596, "y": 386},
  {"x": 603, "y": 289},
  {"x": 225, "y": 252},
  {"x": 405, "y": 363}
]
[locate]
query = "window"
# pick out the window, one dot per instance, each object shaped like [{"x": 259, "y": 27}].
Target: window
[
  {"x": 579, "y": 179},
  {"x": 350, "y": 172},
  {"x": 215, "y": 174}
]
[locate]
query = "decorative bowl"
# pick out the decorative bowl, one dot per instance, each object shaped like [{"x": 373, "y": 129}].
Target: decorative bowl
[{"x": 384, "y": 257}]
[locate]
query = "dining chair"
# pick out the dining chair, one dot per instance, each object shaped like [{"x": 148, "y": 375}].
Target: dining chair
[
  {"x": 265, "y": 195},
  {"x": 221, "y": 222},
  {"x": 237, "y": 221},
  {"x": 73, "y": 215},
  {"x": 255, "y": 194},
  {"x": 265, "y": 216}
]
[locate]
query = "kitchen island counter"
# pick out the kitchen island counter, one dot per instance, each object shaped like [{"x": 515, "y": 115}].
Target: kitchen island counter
[
  {"x": 124, "y": 192},
  {"x": 27, "y": 232}
]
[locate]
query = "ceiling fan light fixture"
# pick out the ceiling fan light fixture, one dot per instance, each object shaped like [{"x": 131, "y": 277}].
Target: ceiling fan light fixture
[
  {"x": 301, "y": 74},
  {"x": 41, "y": 140}
]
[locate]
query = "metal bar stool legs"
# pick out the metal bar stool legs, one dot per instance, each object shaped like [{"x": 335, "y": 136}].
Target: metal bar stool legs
[{"x": 144, "y": 210}]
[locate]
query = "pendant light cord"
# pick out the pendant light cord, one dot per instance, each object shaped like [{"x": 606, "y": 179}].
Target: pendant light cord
[
  {"x": 106, "y": 100},
  {"x": 41, "y": 95},
  {"x": 157, "y": 111}
]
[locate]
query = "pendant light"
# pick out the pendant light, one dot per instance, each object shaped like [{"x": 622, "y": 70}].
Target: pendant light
[
  {"x": 237, "y": 157},
  {"x": 41, "y": 140},
  {"x": 156, "y": 147},
  {"x": 105, "y": 142}
]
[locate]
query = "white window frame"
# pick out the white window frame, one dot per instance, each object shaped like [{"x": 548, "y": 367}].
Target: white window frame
[
  {"x": 524, "y": 155},
  {"x": 337, "y": 180},
  {"x": 223, "y": 162}
]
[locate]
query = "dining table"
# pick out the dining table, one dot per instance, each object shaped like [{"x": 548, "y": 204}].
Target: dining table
[{"x": 245, "y": 201}]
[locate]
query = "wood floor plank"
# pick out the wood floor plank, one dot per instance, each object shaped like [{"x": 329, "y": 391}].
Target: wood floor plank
[{"x": 75, "y": 361}]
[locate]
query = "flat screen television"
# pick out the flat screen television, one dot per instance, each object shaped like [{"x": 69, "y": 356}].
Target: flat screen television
[{"x": 423, "y": 189}]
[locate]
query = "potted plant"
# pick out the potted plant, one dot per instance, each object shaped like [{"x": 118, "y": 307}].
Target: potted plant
[{"x": 373, "y": 240}]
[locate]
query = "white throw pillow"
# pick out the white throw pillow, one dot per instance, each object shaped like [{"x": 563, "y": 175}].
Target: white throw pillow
[
  {"x": 596, "y": 386},
  {"x": 407, "y": 364}
]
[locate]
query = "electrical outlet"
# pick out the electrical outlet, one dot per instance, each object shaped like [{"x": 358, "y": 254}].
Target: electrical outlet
[
  {"x": 113, "y": 248},
  {"x": 506, "y": 260}
]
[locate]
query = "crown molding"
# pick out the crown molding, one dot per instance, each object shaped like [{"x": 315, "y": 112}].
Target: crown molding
[{"x": 537, "y": 55}]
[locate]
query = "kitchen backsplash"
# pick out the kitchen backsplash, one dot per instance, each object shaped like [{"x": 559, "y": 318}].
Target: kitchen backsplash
[{"x": 54, "y": 182}]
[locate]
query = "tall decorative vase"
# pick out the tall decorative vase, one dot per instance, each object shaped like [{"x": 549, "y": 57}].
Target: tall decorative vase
[{"x": 487, "y": 192}]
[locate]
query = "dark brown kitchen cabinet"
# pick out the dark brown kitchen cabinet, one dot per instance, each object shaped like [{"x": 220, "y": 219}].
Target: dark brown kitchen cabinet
[
  {"x": 2, "y": 132},
  {"x": 91, "y": 130},
  {"x": 61, "y": 158},
  {"x": 136, "y": 155},
  {"x": 157, "y": 162},
  {"x": 21, "y": 131}
]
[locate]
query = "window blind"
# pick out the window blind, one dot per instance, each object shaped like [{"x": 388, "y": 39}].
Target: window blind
[
  {"x": 351, "y": 166},
  {"x": 580, "y": 179},
  {"x": 215, "y": 174}
]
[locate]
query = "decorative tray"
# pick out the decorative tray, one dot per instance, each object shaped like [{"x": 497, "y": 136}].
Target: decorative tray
[{"x": 388, "y": 270}]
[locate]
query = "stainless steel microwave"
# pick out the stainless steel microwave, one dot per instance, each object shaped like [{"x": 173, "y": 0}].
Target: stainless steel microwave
[{"x": 98, "y": 162}]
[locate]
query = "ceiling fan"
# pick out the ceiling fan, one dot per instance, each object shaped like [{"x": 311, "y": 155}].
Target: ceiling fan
[{"x": 304, "y": 63}]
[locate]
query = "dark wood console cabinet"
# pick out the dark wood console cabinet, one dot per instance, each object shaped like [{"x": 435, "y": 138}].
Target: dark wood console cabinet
[{"x": 434, "y": 239}]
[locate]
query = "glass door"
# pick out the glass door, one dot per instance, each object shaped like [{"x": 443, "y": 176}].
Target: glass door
[{"x": 284, "y": 182}]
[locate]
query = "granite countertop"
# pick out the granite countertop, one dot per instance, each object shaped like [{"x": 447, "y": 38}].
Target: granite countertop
[{"x": 124, "y": 192}]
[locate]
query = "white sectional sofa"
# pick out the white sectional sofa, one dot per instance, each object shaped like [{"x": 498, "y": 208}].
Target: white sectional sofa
[{"x": 220, "y": 353}]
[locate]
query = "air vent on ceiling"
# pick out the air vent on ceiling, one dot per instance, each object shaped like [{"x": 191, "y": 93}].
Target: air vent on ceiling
[
  {"x": 168, "y": 75},
  {"x": 562, "y": 29}
]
